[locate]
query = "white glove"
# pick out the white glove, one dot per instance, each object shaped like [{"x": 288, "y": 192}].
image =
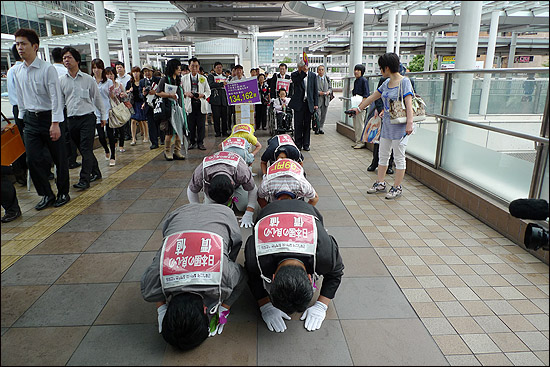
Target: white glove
[
  {"x": 193, "y": 197},
  {"x": 161, "y": 311},
  {"x": 314, "y": 316},
  {"x": 216, "y": 327},
  {"x": 246, "y": 220},
  {"x": 273, "y": 317}
]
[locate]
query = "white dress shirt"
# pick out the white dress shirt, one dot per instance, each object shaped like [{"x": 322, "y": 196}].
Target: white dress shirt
[
  {"x": 123, "y": 80},
  {"x": 81, "y": 95},
  {"x": 12, "y": 93},
  {"x": 61, "y": 69},
  {"x": 37, "y": 87},
  {"x": 104, "y": 93}
]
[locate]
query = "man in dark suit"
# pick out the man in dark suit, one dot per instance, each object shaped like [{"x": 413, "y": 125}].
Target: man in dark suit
[
  {"x": 304, "y": 102},
  {"x": 145, "y": 88},
  {"x": 274, "y": 93}
]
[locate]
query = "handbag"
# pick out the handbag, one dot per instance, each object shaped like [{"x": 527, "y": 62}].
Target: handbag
[
  {"x": 398, "y": 112},
  {"x": 12, "y": 143},
  {"x": 119, "y": 114},
  {"x": 371, "y": 131}
]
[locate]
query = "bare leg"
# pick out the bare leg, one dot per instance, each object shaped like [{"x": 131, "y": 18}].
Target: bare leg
[{"x": 133, "y": 128}]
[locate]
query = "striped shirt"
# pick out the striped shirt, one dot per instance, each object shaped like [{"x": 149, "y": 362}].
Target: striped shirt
[{"x": 270, "y": 187}]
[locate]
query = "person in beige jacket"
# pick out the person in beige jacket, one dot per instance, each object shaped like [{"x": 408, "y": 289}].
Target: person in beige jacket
[{"x": 196, "y": 91}]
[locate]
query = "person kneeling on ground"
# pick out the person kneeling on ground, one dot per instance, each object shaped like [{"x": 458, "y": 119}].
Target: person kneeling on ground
[
  {"x": 286, "y": 252},
  {"x": 285, "y": 177},
  {"x": 240, "y": 146},
  {"x": 280, "y": 146},
  {"x": 194, "y": 278},
  {"x": 224, "y": 177}
]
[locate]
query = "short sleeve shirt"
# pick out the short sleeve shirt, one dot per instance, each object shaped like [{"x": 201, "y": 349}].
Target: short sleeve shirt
[
  {"x": 248, "y": 136},
  {"x": 389, "y": 130}
]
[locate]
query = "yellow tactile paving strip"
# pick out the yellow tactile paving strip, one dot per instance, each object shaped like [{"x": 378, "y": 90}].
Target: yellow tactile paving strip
[{"x": 27, "y": 240}]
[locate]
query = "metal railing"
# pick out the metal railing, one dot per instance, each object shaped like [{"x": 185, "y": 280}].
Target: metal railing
[{"x": 519, "y": 141}]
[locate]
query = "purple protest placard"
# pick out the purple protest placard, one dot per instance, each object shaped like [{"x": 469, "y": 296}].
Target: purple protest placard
[{"x": 242, "y": 92}]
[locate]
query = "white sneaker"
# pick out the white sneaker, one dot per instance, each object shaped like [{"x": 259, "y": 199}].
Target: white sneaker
[
  {"x": 359, "y": 146},
  {"x": 112, "y": 162},
  {"x": 377, "y": 187},
  {"x": 394, "y": 192}
]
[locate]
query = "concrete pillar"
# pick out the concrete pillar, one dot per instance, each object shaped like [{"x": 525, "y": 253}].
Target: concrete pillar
[
  {"x": 357, "y": 36},
  {"x": 512, "y": 53},
  {"x": 439, "y": 60},
  {"x": 158, "y": 62},
  {"x": 325, "y": 62},
  {"x": 120, "y": 56},
  {"x": 65, "y": 25},
  {"x": 236, "y": 59},
  {"x": 499, "y": 61},
  {"x": 190, "y": 52},
  {"x": 254, "y": 47},
  {"x": 9, "y": 59},
  {"x": 432, "y": 52},
  {"x": 350, "y": 56},
  {"x": 125, "y": 50},
  {"x": 134, "y": 41},
  {"x": 398, "y": 33},
  {"x": 48, "y": 28},
  {"x": 427, "y": 51},
  {"x": 493, "y": 31},
  {"x": 46, "y": 48},
  {"x": 391, "y": 30},
  {"x": 466, "y": 53},
  {"x": 101, "y": 30},
  {"x": 93, "y": 52}
]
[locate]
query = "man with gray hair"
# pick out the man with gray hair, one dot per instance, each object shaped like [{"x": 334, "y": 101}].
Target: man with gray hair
[{"x": 304, "y": 102}]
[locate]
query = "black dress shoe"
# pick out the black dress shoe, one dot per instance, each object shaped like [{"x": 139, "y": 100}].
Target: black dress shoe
[
  {"x": 192, "y": 146},
  {"x": 372, "y": 167},
  {"x": 321, "y": 132},
  {"x": 306, "y": 149},
  {"x": 81, "y": 185},
  {"x": 11, "y": 216},
  {"x": 154, "y": 146},
  {"x": 51, "y": 176},
  {"x": 202, "y": 147},
  {"x": 62, "y": 200},
  {"x": 316, "y": 132},
  {"x": 389, "y": 171},
  {"x": 74, "y": 165},
  {"x": 95, "y": 177},
  {"x": 45, "y": 202}
]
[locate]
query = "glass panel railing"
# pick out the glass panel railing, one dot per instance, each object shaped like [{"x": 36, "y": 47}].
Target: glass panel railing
[
  {"x": 423, "y": 143},
  {"x": 498, "y": 163},
  {"x": 544, "y": 191}
]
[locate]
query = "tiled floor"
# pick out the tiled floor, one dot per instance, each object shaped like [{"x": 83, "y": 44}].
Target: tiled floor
[{"x": 425, "y": 283}]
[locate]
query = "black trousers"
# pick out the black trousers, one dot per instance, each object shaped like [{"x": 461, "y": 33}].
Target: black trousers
[
  {"x": 196, "y": 120},
  {"x": 9, "y": 197},
  {"x": 82, "y": 130},
  {"x": 219, "y": 114},
  {"x": 302, "y": 127},
  {"x": 37, "y": 142},
  {"x": 101, "y": 136},
  {"x": 154, "y": 127},
  {"x": 261, "y": 115},
  {"x": 20, "y": 164},
  {"x": 112, "y": 140}
]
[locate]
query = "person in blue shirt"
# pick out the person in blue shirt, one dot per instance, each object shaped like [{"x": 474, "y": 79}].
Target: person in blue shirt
[
  {"x": 393, "y": 136},
  {"x": 360, "y": 88}
]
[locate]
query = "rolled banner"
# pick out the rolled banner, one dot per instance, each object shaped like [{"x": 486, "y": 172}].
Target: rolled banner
[{"x": 304, "y": 56}]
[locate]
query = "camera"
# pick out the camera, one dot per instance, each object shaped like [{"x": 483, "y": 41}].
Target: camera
[
  {"x": 196, "y": 95},
  {"x": 350, "y": 112},
  {"x": 536, "y": 237}
]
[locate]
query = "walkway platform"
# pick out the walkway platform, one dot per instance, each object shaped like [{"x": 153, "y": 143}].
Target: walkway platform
[{"x": 424, "y": 283}]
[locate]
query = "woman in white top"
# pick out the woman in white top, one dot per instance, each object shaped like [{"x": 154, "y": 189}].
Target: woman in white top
[
  {"x": 115, "y": 91},
  {"x": 104, "y": 84},
  {"x": 280, "y": 105}
]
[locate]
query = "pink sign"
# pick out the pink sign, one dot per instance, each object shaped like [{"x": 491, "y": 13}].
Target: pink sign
[
  {"x": 285, "y": 167},
  {"x": 283, "y": 83},
  {"x": 234, "y": 142},
  {"x": 285, "y": 139},
  {"x": 245, "y": 128},
  {"x": 229, "y": 158},
  {"x": 286, "y": 232},
  {"x": 191, "y": 257}
]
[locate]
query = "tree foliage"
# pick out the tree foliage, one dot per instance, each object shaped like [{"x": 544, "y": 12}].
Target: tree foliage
[{"x": 417, "y": 64}]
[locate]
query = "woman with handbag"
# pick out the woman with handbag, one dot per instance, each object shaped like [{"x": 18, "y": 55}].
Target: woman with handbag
[
  {"x": 395, "y": 132},
  {"x": 138, "y": 104},
  {"x": 104, "y": 84},
  {"x": 116, "y": 92},
  {"x": 174, "y": 94}
]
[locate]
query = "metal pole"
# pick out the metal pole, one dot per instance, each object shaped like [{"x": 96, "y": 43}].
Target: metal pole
[
  {"x": 46, "y": 52},
  {"x": 9, "y": 59},
  {"x": 493, "y": 32},
  {"x": 512, "y": 53},
  {"x": 350, "y": 57},
  {"x": 466, "y": 53},
  {"x": 432, "y": 52},
  {"x": 358, "y": 29},
  {"x": 101, "y": 30},
  {"x": 190, "y": 53},
  {"x": 134, "y": 41},
  {"x": 65, "y": 25},
  {"x": 427, "y": 51},
  {"x": 391, "y": 30},
  {"x": 125, "y": 49},
  {"x": 49, "y": 28},
  {"x": 93, "y": 52},
  {"x": 398, "y": 33}
]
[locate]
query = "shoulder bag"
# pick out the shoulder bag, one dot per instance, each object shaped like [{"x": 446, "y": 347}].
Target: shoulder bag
[
  {"x": 161, "y": 108},
  {"x": 398, "y": 111},
  {"x": 119, "y": 114}
]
